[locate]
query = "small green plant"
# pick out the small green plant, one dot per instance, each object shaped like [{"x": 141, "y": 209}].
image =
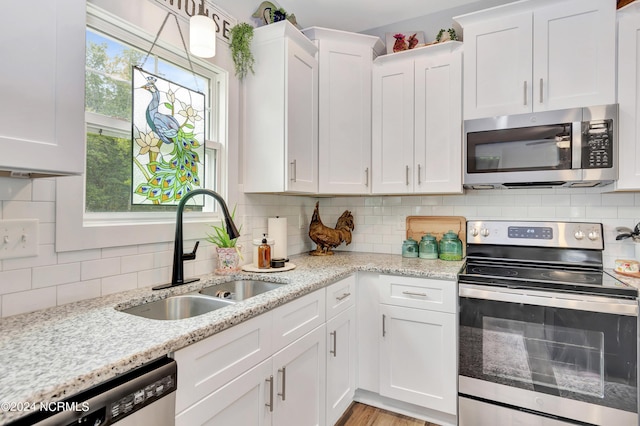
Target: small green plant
[
  {"x": 220, "y": 236},
  {"x": 241, "y": 36}
]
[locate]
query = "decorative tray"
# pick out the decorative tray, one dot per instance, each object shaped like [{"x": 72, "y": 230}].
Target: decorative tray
[{"x": 250, "y": 268}]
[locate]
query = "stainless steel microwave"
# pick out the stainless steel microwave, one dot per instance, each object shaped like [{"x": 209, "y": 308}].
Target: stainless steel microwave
[{"x": 575, "y": 147}]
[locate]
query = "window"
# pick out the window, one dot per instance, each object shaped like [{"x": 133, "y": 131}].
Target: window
[
  {"x": 112, "y": 46},
  {"x": 108, "y": 91}
]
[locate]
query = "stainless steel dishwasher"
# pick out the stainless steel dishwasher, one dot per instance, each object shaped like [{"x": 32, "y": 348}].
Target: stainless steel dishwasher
[{"x": 144, "y": 396}]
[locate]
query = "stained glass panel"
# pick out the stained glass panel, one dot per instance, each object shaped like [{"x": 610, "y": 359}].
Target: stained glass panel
[{"x": 168, "y": 134}]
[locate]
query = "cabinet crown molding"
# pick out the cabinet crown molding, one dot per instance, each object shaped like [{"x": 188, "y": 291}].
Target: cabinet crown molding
[
  {"x": 284, "y": 29},
  {"x": 320, "y": 33},
  {"x": 434, "y": 49}
]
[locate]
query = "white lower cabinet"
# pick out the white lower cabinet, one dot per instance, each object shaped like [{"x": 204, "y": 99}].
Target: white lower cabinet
[
  {"x": 299, "y": 373},
  {"x": 341, "y": 348},
  {"x": 417, "y": 357},
  {"x": 243, "y": 401},
  {"x": 418, "y": 342}
]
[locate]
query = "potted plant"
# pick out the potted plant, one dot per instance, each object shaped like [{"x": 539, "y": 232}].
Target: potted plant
[
  {"x": 241, "y": 36},
  {"x": 227, "y": 249}
]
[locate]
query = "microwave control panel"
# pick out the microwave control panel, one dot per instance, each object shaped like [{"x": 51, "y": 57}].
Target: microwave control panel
[{"x": 597, "y": 142}]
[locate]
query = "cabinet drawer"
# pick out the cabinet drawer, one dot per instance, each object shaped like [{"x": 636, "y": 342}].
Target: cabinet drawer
[
  {"x": 421, "y": 293},
  {"x": 341, "y": 296},
  {"x": 207, "y": 365},
  {"x": 298, "y": 317}
]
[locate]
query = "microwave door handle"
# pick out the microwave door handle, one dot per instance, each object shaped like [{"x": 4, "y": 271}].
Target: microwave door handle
[{"x": 576, "y": 145}]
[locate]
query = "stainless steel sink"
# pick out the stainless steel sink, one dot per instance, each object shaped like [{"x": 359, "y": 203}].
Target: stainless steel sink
[
  {"x": 178, "y": 307},
  {"x": 240, "y": 289}
]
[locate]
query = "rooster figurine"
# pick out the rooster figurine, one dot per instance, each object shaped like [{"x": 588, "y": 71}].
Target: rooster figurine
[{"x": 327, "y": 238}]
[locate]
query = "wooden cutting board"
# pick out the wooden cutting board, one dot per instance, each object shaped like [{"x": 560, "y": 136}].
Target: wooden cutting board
[{"x": 437, "y": 226}]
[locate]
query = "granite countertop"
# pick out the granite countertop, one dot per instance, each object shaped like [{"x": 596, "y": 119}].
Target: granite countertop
[{"x": 54, "y": 353}]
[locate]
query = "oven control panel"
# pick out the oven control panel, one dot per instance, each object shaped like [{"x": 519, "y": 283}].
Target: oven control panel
[{"x": 585, "y": 235}]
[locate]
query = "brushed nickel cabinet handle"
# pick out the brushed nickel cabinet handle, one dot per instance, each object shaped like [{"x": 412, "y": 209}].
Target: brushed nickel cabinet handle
[
  {"x": 410, "y": 293},
  {"x": 283, "y": 370},
  {"x": 293, "y": 175},
  {"x": 419, "y": 174},
  {"x": 344, "y": 296},
  {"x": 270, "y": 404},
  {"x": 407, "y": 175},
  {"x": 335, "y": 343},
  {"x": 384, "y": 330},
  {"x": 541, "y": 91},
  {"x": 366, "y": 174},
  {"x": 525, "y": 92}
]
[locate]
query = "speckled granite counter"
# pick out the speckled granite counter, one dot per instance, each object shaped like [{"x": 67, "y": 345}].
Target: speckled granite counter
[{"x": 54, "y": 353}]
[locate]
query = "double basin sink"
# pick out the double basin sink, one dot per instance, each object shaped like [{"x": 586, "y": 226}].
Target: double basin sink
[{"x": 207, "y": 300}]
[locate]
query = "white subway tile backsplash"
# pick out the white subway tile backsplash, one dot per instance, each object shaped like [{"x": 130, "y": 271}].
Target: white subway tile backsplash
[
  {"x": 74, "y": 292},
  {"x": 28, "y": 301},
  {"x": 99, "y": 268},
  {"x": 118, "y": 283},
  {"x": 64, "y": 273},
  {"x": 15, "y": 281},
  {"x": 380, "y": 226}
]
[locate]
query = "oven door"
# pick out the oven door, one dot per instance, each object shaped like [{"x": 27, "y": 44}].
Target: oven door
[{"x": 564, "y": 355}]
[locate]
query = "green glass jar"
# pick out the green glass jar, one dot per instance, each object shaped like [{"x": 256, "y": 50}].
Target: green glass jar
[
  {"x": 428, "y": 247},
  {"x": 450, "y": 247},
  {"x": 410, "y": 248}
]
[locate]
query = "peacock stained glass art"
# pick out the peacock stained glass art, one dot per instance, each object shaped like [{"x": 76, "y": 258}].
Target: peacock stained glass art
[{"x": 168, "y": 133}]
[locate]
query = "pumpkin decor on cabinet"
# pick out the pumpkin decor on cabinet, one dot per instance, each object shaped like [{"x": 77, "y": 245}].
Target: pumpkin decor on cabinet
[
  {"x": 228, "y": 250},
  {"x": 327, "y": 238}
]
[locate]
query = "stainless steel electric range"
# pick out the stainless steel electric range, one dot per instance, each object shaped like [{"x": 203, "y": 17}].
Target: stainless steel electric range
[{"x": 546, "y": 336}]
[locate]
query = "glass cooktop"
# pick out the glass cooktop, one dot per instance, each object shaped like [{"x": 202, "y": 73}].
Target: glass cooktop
[{"x": 554, "y": 279}]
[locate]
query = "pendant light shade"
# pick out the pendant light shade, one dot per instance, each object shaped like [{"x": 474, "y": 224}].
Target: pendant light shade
[{"x": 202, "y": 36}]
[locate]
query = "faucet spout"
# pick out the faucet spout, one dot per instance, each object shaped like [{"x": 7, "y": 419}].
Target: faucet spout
[{"x": 177, "y": 276}]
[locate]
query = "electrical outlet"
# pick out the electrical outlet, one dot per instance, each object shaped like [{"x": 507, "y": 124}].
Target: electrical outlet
[{"x": 18, "y": 238}]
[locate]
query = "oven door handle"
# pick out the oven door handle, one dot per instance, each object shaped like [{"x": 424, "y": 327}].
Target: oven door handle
[{"x": 552, "y": 299}]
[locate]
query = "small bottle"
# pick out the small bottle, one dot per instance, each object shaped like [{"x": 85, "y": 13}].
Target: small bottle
[{"x": 264, "y": 254}]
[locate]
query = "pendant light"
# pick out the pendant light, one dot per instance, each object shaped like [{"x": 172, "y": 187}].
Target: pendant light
[{"x": 202, "y": 35}]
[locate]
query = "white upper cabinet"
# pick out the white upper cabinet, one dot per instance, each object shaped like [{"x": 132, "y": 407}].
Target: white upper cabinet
[
  {"x": 629, "y": 97},
  {"x": 417, "y": 116},
  {"x": 281, "y": 115},
  {"x": 538, "y": 56},
  {"x": 345, "y": 61},
  {"x": 42, "y": 82}
]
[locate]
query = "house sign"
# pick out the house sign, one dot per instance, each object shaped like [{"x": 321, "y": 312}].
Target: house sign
[{"x": 185, "y": 9}]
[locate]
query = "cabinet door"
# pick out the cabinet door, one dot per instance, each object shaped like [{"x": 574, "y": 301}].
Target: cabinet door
[
  {"x": 497, "y": 66},
  {"x": 302, "y": 119},
  {"x": 345, "y": 117},
  {"x": 300, "y": 373},
  {"x": 629, "y": 98},
  {"x": 438, "y": 118},
  {"x": 42, "y": 85},
  {"x": 392, "y": 138},
  {"x": 210, "y": 363},
  {"x": 418, "y": 357},
  {"x": 574, "y": 54},
  {"x": 243, "y": 401},
  {"x": 296, "y": 318},
  {"x": 341, "y": 363}
]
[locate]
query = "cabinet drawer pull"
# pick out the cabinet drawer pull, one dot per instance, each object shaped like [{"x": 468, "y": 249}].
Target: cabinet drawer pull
[
  {"x": 419, "y": 174},
  {"x": 344, "y": 296},
  {"x": 335, "y": 343},
  {"x": 407, "y": 174},
  {"x": 525, "y": 92},
  {"x": 384, "y": 330},
  {"x": 270, "y": 404},
  {"x": 410, "y": 293},
  {"x": 366, "y": 176},
  {"x": 541, "y": 91},
  {"x": 283, "y": 370}
]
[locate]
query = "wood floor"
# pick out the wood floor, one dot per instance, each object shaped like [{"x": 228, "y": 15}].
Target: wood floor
[{"x": 364, "y": 415}]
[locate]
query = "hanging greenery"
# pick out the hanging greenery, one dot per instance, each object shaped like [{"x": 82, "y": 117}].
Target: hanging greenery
[{"x": 241, "y": 36}]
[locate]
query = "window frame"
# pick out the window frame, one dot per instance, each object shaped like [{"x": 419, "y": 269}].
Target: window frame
[{"x": 76, "y": 230}]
